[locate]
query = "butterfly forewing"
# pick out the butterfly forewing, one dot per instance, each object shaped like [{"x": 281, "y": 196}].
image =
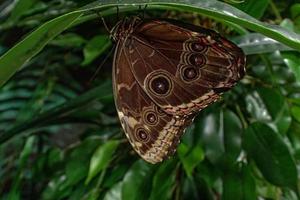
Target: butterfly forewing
[
  {"x": 171, "y": 72},
  {"x": 183, "y": 74}
]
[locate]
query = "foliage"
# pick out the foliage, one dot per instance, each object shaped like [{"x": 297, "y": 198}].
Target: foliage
[{"x": 59, "y": 132}]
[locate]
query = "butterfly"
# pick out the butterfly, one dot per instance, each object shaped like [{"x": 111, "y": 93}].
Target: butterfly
[{"x": 164, "y": 73}]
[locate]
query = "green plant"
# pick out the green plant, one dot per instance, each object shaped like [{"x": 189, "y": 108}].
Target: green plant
[{"x": 61, "y": 139}]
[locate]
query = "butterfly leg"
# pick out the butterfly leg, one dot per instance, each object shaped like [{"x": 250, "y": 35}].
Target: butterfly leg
[
  {"x": 143, "y": 10},
  {"x": 103, "y": 21}
]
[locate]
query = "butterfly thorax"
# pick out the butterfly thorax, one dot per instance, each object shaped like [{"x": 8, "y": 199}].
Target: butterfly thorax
[{"x": 124, "y": 28}]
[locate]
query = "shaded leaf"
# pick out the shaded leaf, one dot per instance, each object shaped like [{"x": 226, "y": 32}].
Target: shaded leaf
[
  {"x": 137, "y": 181},
  {"x": 32, "y": 44},
  {"x": 114, "y": 193},
  {"x": 68, "y": 40},
  {"x": 271, "y": 155},
  {"x": 293, "y": 62},
  {"x": 62, "y": 110},
  {"x": 220, "y": 133},
  {"x": 77, "y": 165},
  {"x": 296, "y": 112},
  {"x": 190, "y": 158},
  {"x": 95, "y": 47},
  {"x": 254, "y": 8},
  {"x": 101, "y": 158},
  {"x": 164, "y": 181},
  {"x": 256, "y": 43},
  {"x": 20, "y": 8},
  {"x": 239, "y": 185},
  {"x": 262, "y": 107}
]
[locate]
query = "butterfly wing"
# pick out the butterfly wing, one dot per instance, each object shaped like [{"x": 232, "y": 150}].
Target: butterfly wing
[
  {"x": 153, "y": 133},
  {"x": 183, "y": 70}
]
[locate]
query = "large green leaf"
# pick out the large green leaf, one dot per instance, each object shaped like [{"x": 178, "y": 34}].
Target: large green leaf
[
  {"x": 239, "y": 185},
  {"x": 101, "y": 158},
  {"x": 253, "y": 7},
  {"x": 256, "y": 43},
  {"x": 164, "y": 181},
  {"x": 271, "y": 155},
  {"x": 190, "y": 158},
  {"x": 20, "y": 8},
  {"x": 137, "y": 181},
  {"x": 220, "y": 133},
  {"x": 22, "y": 52},
  {"x": 293, "y": 62},
  {"x": 115, "y": 192},
  {"x": 77, "y": 165},
  {"x": 35, "y": 41},
  {"x": 95, "y": 47},
  {"x": 262, "y": 106}
]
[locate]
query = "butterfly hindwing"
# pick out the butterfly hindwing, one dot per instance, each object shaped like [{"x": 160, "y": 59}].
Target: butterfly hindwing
[{"x": 153, "y": 133}]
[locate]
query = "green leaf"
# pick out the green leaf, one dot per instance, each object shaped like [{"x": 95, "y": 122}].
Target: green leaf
[
  {"x": 92, "y": 194},
  {"x": 220, "y": 134},
  {"x": 14, "y": 192},
  {"x": 190, "y": 159},
  {"x": 256, "y": 43},
  {"x": 27, "y": 150},
  {"x": 65, "y": 109},
  {"x": 294, "y": 134},
  {"x": 208, "y": 172},
  {"x": 271, "y": 155},
  {"x": 35, "y": 41},
  {"x": 137, "y": 181},
  {"x": 295, "y": 12},
  {"x": 291, "y": 59},
  {"x": 253, "y": 7},
  {"x": 101, "y": 158},
  {"x": 164, "y": 181},
  {"x": 54, "y": 156},
  {"x": 114, "y": 193},
  {"x": 261, "y": 105},
  {"x": 77, "y": 160},
  {"x": 115, "y": 175},
  {"x": 296, "y": 112},
  {"x": 95, "y": 47},
  {"x": 232, "y": 128},
  {"x": 37, "y": 101},
  {"x": 22, "y": 52},
  {"x": 57, "y": 188},
  {"x": 20, "y": 8},
  {"x": 190, "y": 189},
  {"x": 239, "y": 185},
  {"x": 68, "y": 40}
]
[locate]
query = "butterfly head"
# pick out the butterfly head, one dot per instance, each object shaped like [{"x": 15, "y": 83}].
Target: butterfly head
[{"x": 124, "y": 28}]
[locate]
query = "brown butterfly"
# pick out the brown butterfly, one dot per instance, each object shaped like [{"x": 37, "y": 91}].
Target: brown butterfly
[{"x": 164, "y": 73}]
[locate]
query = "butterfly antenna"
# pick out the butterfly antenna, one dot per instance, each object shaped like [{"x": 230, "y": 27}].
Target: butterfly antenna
[
  {"x": 101, "y": 65},
  {"x": 144, "y": 10},
  {"x": 103, "y": 21},
  {"x": 118, "y": 17}
]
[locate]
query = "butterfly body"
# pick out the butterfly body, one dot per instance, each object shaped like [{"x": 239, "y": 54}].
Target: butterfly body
[{"x": 163, "y": 75}]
